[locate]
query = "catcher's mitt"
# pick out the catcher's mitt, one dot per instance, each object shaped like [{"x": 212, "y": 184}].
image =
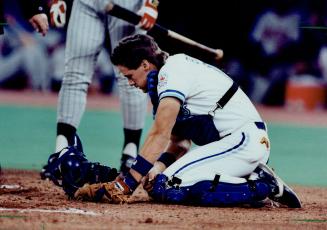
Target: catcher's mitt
[{"x": 116, "y": 192}]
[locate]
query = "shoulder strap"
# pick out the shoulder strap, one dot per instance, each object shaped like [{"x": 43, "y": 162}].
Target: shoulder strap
[{"x": 226, "y": 97}]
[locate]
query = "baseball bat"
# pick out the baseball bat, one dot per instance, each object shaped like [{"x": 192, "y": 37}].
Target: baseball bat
[{"x": 133, "y": 18}]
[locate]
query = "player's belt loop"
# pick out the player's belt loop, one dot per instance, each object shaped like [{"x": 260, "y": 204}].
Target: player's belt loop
[{"x": 225, "y": 98}]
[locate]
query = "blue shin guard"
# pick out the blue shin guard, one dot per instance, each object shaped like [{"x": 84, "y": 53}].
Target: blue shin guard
[{"x": 209, "y": 193}]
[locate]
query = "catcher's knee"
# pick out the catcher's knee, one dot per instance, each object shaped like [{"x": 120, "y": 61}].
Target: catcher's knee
[
  {"x": 159, "y": 188},
  {"x": 168, "y": 191}
]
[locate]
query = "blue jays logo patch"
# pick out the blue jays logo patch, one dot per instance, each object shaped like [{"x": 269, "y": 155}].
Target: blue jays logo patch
[{"x": 162, "y": 80}]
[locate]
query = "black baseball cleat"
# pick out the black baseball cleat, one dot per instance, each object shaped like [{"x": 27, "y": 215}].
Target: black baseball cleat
[{"x": 281, "y": 192}]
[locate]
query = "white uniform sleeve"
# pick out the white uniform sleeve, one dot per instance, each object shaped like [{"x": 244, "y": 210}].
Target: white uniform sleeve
[{"x": 173, "y": 80}]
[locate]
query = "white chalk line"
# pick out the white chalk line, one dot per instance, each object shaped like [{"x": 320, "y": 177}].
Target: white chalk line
[
  {"x": 10, "y": 186},
  {"x": 66, "y": 211}
]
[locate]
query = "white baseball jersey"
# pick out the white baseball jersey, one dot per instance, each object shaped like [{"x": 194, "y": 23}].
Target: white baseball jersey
[{"x": 199, "y": 86}]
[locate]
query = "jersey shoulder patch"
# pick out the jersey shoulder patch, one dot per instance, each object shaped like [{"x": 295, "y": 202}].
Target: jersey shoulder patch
[{"x": 162, "y": 80}]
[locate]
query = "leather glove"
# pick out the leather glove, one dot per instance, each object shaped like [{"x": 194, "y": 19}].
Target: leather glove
[
  {"x": 115, "y": 192},
  {"x": 149, "y": 14},
  {"x": 58, "y": 13}
]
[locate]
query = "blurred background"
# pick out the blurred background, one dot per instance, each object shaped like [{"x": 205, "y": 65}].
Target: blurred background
[{"x": 275, "y": 50}]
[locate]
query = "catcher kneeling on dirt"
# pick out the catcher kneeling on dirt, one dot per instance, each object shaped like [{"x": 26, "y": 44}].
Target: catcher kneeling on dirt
[{"x": 193, "y": 102}]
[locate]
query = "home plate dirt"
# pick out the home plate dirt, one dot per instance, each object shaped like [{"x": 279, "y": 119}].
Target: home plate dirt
[{"x": 27, "y": 202}]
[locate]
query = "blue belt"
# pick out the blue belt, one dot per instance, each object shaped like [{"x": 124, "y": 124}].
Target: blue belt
[{"x": 260, "y": 125}]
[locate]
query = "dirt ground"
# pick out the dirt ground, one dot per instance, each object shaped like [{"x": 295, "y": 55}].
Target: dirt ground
[{"x": 27, "y": 202}]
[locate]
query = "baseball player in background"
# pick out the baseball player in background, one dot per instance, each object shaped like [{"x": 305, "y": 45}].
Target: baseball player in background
[
  {"x": 193, "y": 102},
  {"x": 87, "y": 26}
]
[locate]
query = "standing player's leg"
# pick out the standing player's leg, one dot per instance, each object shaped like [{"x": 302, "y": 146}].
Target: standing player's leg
[
  {"x": 85, "y": 38},
  {"x": 133, "y": 101}
]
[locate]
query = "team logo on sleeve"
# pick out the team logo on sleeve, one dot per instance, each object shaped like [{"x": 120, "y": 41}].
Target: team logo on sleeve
[
  {"x": 184, "y": 112},
  {"x": 162, "y": 80}
]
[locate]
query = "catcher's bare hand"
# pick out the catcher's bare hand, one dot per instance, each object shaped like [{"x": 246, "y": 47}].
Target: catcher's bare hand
[
  {"x": 148, "y": 180},
  {"x": 147, "y": 183}
]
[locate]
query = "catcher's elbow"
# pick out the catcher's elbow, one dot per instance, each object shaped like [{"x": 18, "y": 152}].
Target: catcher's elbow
[
  {"x": 184, "y": 146},
  {"x": 180, "y": 147}
]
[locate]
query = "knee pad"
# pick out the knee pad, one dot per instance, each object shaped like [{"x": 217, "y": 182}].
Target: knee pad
[
  {"x": 158, "y": 193},
  {"x": 167, "y": 191}
]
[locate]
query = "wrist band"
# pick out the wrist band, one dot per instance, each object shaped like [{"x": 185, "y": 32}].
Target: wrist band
[
  {"x": 130, "y": 181},
  {"x": 167, "y": 158},
  {"x": 141, "y": 165}
]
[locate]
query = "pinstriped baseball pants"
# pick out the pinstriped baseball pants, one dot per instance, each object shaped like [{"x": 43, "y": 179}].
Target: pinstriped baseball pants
[{"x": 85, "y": 37}]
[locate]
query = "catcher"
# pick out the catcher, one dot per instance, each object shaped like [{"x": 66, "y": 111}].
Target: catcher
[{"x": 193, "y": 102}]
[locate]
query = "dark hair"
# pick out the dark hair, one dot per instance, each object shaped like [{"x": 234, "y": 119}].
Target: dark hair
[{"x": 132, "y": 50}]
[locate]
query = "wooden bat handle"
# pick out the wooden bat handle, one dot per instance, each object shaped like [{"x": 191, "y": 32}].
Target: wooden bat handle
[
  {"x": 131, "y": 17},
  {"x": 218, "y": 53}
]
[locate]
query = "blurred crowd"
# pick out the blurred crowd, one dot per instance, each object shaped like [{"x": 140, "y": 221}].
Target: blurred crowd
[
  {"x": 266, "y": 43},
  {"x": 29, "y": 60}
]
